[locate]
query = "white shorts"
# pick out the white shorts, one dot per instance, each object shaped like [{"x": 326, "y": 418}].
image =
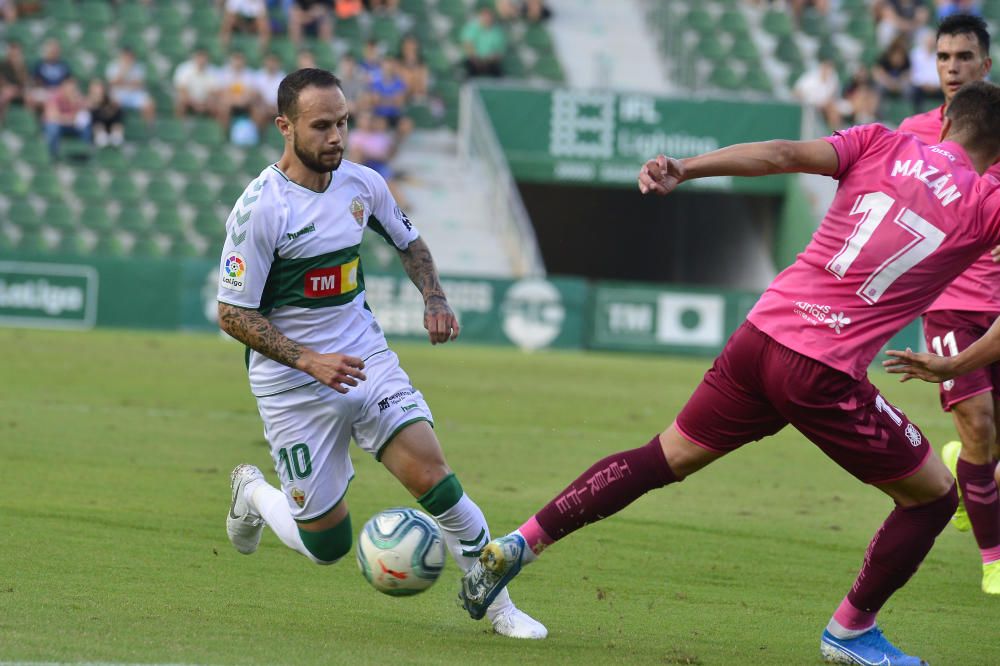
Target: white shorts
[{"x": 310, "y": 428}]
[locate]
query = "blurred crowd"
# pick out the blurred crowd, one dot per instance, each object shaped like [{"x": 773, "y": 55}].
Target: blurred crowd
[
  {"x": 381, "y": 80},
  {"x": 903, "y": 76}
]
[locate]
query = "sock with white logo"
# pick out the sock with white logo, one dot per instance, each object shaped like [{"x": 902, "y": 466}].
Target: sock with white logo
[{"x": 463, "y": 529}]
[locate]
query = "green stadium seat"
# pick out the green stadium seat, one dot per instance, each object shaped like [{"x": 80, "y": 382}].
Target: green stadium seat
[
  {"x": 208, "y": 224},
  {"x": 162, "y": 192},
  {"x": 778, "y": 23},
  {"x": 88, "y": 186},
  {"x": 537, "y": 37},
  {"x": 7, "y": 244},
  {"x": 23, "y": 215},
  {"x": 96, "y": 218},
  {"x": 109, "y": 244},
  {"x": 422, "y": 115},
  {"x": 110, "y": 158},
  {"x": 45, "y": 183},
  {"x": 122, "y": 188},
  {"x": 386, "y": 32},
  {"x": 63, "y": 11},
  {"x": 700, "y": 20},
  {"x": 59, "y": 215},
  {"x": 206, "y": 132},
  {"x": 734, "y": 22},
  {"x": 147, "y": 246},
  {"x": 756, "y": 79},
  {"x": 71, "y": 243},
  {"x": 148, "y": 158},
  {"x": 744, "y": 49},
  {"x": 171, "y": 130},
  {"x": 724, "y": 77},
  {"x": 21, "y": 121},
  {"x": 34, "y": 242},
  {"x": 813, "y": 23},
  {"x": 95, "y": 15},
  {"x": 456, "y": 10},
  {"x": 788, "y": 51},
  {"x": 198, "y": 193},
  {"x": 168, "y": 222},
  {"x": 547, "y": 68},
  {"x": 11, "y": 183},
  {"x": 134, "y": 17},
  {"x": 222, "y": 163},
  {"x": 186, "y": 162},
  {"x": 181, "y": 247},
  {"x": 415, "y": 8},
  {"x": 710, "y": 47},
  {"x": 437, "y": 62}
]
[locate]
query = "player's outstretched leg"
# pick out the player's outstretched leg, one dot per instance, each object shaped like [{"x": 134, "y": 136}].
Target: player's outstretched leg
[
  {"x": 464, "y": 531},
  {"x": 607, "y": 487},
  {"x": 894, "y": 554},
  {"x": 244, "y": 524},
  {"x": 949, "y": 456},
  {"x": 256, "y": 503},
  {"x": 868, "y": 649}
]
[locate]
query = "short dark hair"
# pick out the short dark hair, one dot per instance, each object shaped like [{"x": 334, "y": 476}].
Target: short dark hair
[
  {"x": 292, "y": 86},
  {"x": 965, "y": 24},
  {"x": 975, "y": 113}
]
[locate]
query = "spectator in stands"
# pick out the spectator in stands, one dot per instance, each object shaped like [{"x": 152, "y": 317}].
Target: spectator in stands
[
  {"x": 196, "y": 85},
  {"x": 532, "y": 11},
  {"x": 247, "y": 16},
  {"x": 385, "y": 7},
  {"x": 237, "y": 92},
  {"x": 127, "y": 79},
  {"x": 373, "y": 145},
  {"x": 305, "y": 59},
  {"x": 347, "y": 9},
  {"x": 106, "y": 116},
  {"x": 354, "y": 82},
  {"x": 65, "y": 114},
  {"x": 892, "y": 70},
  {"x": 484, "y": 44},
  {"x": 861, "y": 97},
  {"x": 371, "y": 59},
  {"x": 388, "y": 93},
  {"x": 819, "y": 88},
  {"x": 946, "y": 8},
  {"x": 896, "y": 18},
  {"x": 305, "y": 15},
  {"x": 8, "y": 9},
  {"x": 923, "y": 72},
  {"x": 48, "y": 74},
  {"x": 413, "y": 69},
  {"x": 266, "y": 83},
  {"x": 14, "y": 77}
]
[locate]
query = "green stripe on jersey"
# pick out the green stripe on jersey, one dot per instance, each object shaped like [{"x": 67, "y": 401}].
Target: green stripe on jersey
[{"x": 311, "y": 282}]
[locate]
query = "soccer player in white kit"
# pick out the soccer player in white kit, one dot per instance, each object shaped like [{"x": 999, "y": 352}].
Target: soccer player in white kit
[
  {"x": 907, "y": 218},
  {"x": 291, "y": 288}
]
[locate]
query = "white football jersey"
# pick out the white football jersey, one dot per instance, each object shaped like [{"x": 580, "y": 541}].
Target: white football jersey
[{"x": 293, "y": 254}]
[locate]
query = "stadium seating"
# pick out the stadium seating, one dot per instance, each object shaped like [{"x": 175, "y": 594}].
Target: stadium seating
[{"x": 169, "y": 189}]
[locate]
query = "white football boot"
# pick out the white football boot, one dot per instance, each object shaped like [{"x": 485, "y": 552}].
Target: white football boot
[
  {"x": 244, "y": 525},
  {"x": 515, "y": 623}
]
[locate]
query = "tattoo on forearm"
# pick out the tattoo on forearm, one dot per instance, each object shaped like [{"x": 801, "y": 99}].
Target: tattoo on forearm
[
  {"x": 254, "y": 330},
  {"x": 419, "y": 265}
]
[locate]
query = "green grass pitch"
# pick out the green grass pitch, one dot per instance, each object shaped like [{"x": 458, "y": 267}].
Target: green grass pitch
[{"x": 115, "y": 452}]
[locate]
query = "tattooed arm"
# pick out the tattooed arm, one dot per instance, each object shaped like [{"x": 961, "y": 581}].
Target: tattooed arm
[
  {"x": 439, "y": 320},
  {"x": 253, "y": 329}
]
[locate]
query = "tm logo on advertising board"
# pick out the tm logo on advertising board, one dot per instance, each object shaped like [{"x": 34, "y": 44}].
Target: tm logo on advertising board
[
  {"x": 47, "y": 295},
  {"x": 533, "y": 314}
]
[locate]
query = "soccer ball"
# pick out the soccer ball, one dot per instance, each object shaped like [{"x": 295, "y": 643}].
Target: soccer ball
[{"x": 400, "y": 551}]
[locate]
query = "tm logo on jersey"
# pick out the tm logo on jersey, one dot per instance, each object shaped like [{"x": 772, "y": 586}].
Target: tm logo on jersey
[
  {"x": 332, "y": 280},
  {"x": 234, "y": 268}
]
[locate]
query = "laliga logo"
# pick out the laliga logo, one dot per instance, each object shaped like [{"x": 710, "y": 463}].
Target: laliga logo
[
  {"x": 532, "y": 313},
  {"x": 234, "y": 268}
]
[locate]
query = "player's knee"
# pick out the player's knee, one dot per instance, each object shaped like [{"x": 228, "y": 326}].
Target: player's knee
[
  {"x": 328, "y": 546},
  {"x": 939, "y": 511},
  {"x": 442, "y": 495}
]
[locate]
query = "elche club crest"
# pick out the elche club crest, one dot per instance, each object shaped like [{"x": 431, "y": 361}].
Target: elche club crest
[
  {"x": 358, "y": 210},
  {"x": 299, "y": 496}
]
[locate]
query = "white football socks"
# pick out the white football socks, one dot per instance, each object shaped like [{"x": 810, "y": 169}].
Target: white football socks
[
  {"x": 271, "y": 504},
  {"x": 465, "y": 532}
]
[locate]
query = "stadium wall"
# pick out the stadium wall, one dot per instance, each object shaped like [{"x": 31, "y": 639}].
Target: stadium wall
[{"x": 531, "y": 313}]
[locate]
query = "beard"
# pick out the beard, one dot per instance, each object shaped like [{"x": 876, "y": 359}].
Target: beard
[{"x": 315, "y": 161}]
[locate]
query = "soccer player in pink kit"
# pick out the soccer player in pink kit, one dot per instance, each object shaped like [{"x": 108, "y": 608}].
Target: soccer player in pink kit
[
  {"x": 906, "y": 220},
  {"x": 961, "y": 315}
]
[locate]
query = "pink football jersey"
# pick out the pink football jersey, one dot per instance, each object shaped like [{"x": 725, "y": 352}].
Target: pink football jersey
[
  {"x": 906, "y": 220},
  {"x": 978, "y": 288}
]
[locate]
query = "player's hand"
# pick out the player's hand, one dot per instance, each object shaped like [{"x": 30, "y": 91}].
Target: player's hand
[
  {"x": 338, "y": 371},
  {"x": 661, "y": 175},
  {"x": 439, "y": 320},
  {"x": 914, "y": 365},
  {"x": 995, "y": 254}
]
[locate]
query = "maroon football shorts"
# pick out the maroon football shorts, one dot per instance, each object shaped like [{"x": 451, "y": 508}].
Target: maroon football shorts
[
  {"x": 757, "y": 386},
  {"x": 947, "y": 332}
]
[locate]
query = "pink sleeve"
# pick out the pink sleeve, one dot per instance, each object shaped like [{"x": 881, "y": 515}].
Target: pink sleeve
[
  {"x": 853, "y": 142},
  {"x": 990, "y": 210}
]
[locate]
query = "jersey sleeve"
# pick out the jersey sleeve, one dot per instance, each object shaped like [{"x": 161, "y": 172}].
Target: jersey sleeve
[
  {"x": 990, "y": 208},
  {"x": 252, "y": 232},
  {"x": 386, "y": 218},
  {"x": 852, "y": 143}
]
